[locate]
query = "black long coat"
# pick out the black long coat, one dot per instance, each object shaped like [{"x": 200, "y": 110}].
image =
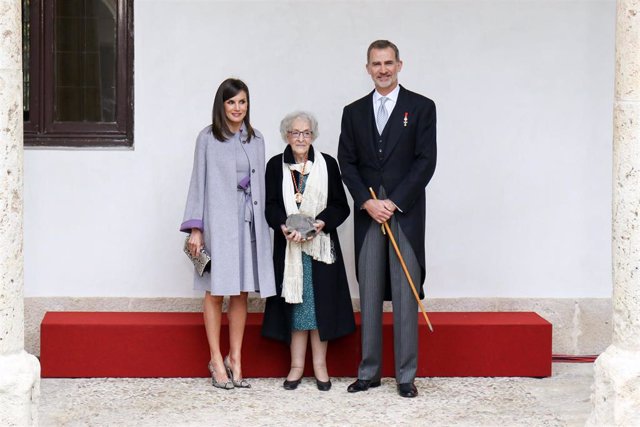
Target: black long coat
[
  {"x": 334, "y": 312},
  {"x": 404, "y": 168}
]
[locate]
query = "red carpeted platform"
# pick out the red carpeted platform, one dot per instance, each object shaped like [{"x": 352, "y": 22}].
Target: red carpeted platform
[{"x": 124, "y": 344}]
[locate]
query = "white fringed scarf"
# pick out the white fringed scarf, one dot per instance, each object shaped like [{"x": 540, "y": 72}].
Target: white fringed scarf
[{"x": 314, "y": 201}]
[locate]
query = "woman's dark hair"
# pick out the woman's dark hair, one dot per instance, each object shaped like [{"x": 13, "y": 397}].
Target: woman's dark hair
[{"x": 228, "y": 89}]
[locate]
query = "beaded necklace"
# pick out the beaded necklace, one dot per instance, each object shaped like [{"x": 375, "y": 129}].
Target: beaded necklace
[{"x": 296, "y": 186}]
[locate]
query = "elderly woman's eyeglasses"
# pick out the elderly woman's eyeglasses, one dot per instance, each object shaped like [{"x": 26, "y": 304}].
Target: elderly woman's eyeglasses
[{"x": 297, "y": 134}]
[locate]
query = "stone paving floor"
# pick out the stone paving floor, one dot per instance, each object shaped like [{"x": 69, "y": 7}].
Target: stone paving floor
[{"x": 561, "y": 400}]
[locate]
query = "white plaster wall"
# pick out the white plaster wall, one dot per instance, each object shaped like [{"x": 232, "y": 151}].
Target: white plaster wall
[{"x": 519, "y": 205}]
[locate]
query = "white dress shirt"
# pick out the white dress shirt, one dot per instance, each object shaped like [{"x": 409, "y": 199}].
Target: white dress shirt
[{"x": 389, "y": 105}]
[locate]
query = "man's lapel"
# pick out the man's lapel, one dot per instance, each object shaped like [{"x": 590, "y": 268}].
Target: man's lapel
[
  {"x": 395, "y": 126},
  {"x": 366, "y": 123}
]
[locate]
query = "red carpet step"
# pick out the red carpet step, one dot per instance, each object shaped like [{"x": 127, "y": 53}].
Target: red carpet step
[{"x": 142, "y": 344}]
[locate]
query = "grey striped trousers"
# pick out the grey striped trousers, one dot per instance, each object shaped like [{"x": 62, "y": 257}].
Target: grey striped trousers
[{"x": 375, "y": 253}]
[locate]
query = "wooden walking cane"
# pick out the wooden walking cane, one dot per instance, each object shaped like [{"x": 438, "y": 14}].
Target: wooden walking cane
[{"x": 404, "y": 266}]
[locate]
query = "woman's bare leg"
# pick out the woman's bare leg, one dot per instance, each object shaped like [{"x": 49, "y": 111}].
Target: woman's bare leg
[
  {"x": 212, "y": 308},
  {"x": 237, "y": 315},
  {"x": 298, "y": 353},
  {"x": 319, "y": 352}
]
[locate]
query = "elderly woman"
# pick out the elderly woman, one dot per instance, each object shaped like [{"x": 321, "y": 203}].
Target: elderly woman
[
  {"x": 312, "y": 291},
  {"x": 224, "y": 215}
]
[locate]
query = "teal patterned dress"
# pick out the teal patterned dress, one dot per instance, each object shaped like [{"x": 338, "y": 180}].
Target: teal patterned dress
[{"x": 304, "y": 314}]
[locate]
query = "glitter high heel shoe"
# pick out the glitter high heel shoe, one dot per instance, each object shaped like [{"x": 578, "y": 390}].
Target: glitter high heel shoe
[
  {"x": 228, "y": 385},
  {"x": 239, "y": 384}
]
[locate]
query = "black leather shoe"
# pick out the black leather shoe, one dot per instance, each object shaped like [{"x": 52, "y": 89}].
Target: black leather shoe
[
  {"x": 291, "y": 385},
  {"x": 362, "y": 385},
  {"x": 407, "y": 390},
  {"x": 323, "y": 385}
]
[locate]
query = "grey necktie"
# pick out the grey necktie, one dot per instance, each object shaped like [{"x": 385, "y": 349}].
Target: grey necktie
[{"x": 382, "y": 116}]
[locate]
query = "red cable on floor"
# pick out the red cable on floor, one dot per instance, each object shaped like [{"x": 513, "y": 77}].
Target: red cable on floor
[{"x": 568, "y": 358}]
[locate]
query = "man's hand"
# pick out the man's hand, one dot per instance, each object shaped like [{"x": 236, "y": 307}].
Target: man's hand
[
  {"x": 379, "y": 210},
  {"x": 390, "y": 206}
]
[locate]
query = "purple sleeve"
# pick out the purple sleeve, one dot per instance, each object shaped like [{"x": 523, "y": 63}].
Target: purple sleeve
[{"x": 192, "y": 223}]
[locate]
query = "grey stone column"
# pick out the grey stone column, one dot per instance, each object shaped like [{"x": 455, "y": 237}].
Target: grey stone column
[
  {"x": 19, "y": 371},
  {"x": 616, "y": 392}
]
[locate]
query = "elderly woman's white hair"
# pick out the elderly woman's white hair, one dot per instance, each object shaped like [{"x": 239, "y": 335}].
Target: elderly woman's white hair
[{"x": 285, "y": 124}]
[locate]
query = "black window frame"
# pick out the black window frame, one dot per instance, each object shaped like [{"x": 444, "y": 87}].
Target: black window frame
[{"x": 41, "y": 130}]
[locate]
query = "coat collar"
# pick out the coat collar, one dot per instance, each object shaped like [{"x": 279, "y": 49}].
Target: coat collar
[
  {"x": 242, "y": 133},
  {"x": 288, "y": 154}
]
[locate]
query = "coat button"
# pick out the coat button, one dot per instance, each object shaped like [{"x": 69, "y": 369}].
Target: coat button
[
  {"x": 253, "y": 171},
  {"x": 255, "y": 203}
]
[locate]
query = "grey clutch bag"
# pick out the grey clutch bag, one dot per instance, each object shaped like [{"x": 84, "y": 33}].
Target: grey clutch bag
[
  {"x": 201, "y": 262},
  {"x": 302, "y": 224}
]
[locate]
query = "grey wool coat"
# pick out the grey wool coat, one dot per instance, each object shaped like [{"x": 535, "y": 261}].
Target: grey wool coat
[{"x": 212, "y": 207}]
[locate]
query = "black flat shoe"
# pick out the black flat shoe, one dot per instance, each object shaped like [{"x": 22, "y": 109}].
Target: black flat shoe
[
  {"x": 291, "y": 385},
  {"x": 323, "y": 385},
  {"x": 407, "y": 390},
  {"x": 362, "y": 385}
]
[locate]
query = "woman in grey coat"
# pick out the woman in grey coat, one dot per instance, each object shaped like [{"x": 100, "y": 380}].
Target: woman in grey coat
[{"x": 225, "y": 215}]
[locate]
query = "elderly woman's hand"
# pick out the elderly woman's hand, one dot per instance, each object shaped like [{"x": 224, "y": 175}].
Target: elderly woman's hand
[
  {"x": 319, "y": 225},
  {"x": 293, "y": 236},
  {"x": 196, "y": 241}
]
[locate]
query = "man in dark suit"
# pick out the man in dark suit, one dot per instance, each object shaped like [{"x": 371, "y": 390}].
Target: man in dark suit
[{"x": 388, "y": 143}]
